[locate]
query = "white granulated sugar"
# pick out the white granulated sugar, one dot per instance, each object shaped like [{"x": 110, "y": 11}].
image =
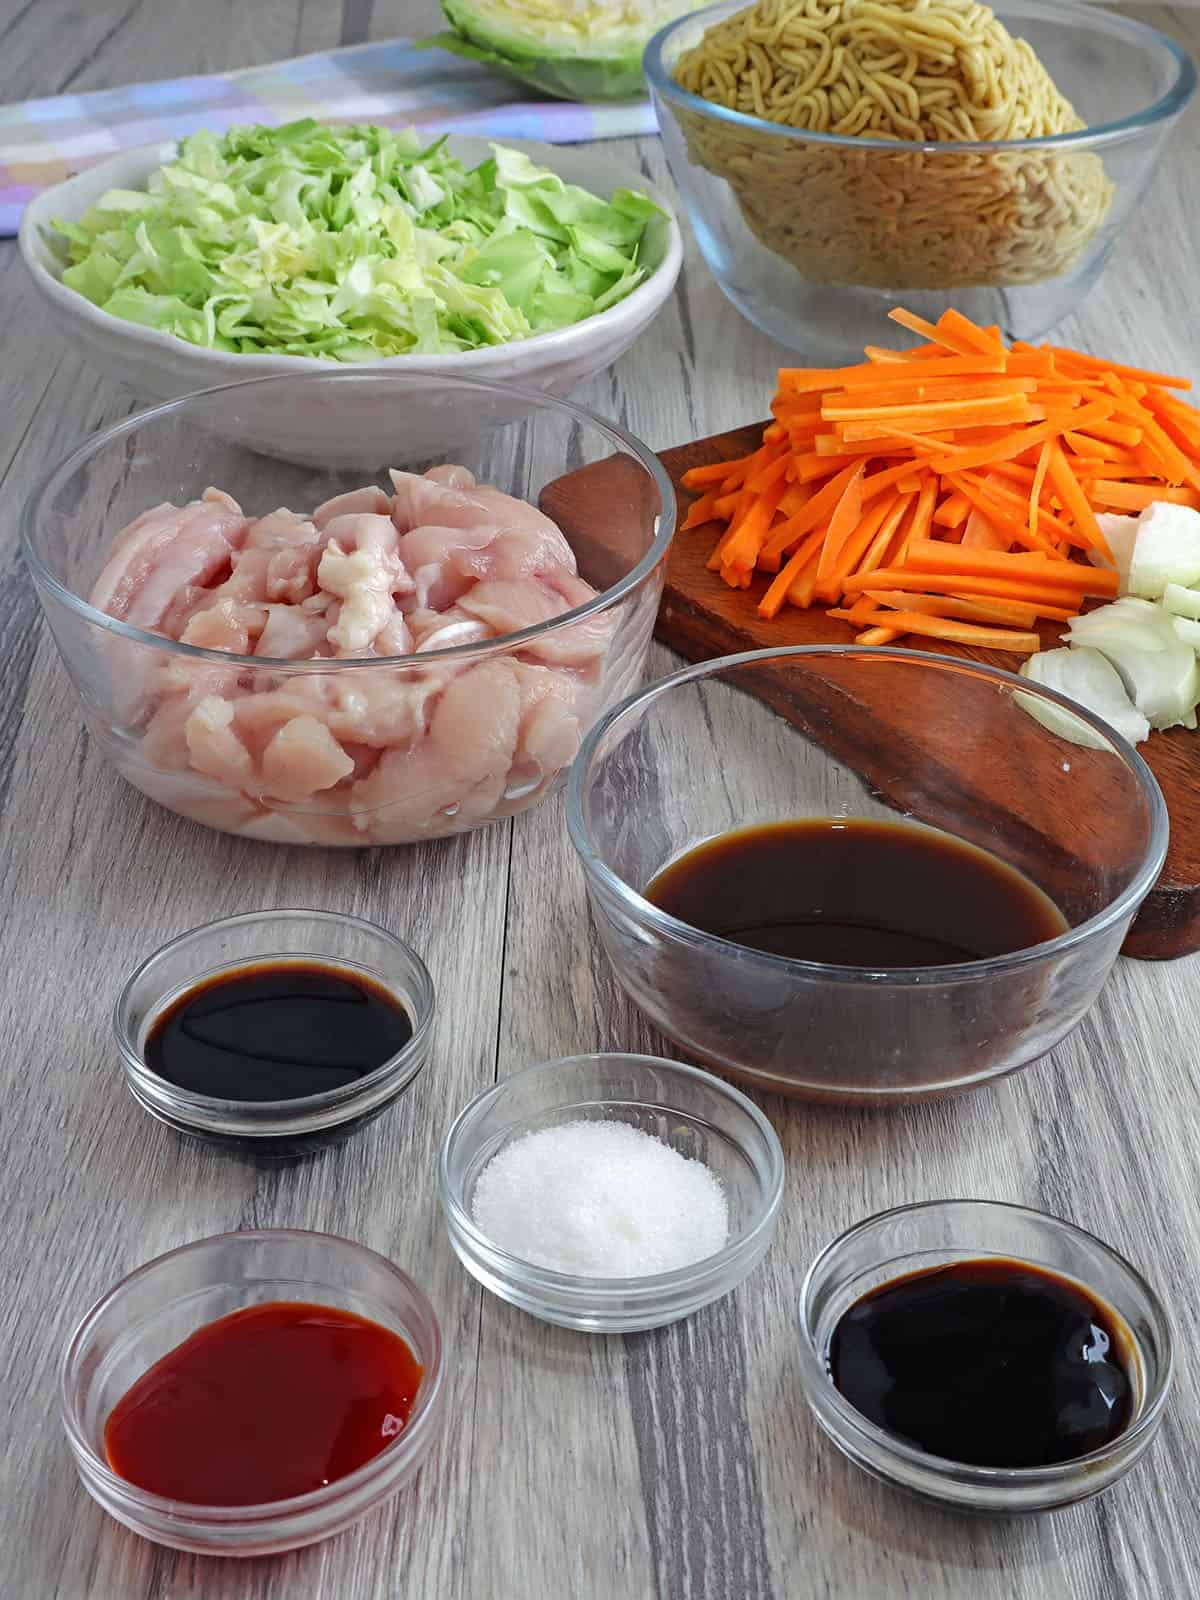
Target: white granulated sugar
[{"x": 602, "y": 1200}]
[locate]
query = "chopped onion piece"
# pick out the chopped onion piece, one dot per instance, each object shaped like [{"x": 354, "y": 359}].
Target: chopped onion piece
[
  {"x": 1166, "y": 550},
  {"x": 1158, "y": 669},
  {"x": 1121, "y": 533},
  {"x": 1090, "y": 678},
  {"x": 1182, "y": 602},
  {"x": 1188, "y": 629}
]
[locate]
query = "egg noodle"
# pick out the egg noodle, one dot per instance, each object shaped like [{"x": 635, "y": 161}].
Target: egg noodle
[{"x": 913, "y": 70}]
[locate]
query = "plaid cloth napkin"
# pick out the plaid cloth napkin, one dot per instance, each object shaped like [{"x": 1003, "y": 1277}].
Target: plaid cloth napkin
[{"x": 44, "y": 141}]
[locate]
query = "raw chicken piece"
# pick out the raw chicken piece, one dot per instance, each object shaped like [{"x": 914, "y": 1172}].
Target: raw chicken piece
[
  {"x": 371, "y": 752},
  {"x": 508, "y": 606},
  {"x": 474, "y": 724},
  {"x": 228, "y": 625},
  {"x": 409, "y": 793},
  {"x": 432, "y": 630},
  {"x": 420, "y": 502},
  {"x": 164, "y": 551},
  {"x": 213, "y": 746},
  {"x": 370, "y": 498},
  {"x": 427, "y": 553},
  {"x": 395, "y": 637},
  {"x": 302, "y": 759},
  {"x": 361, "y": 565},
  {"x": 370, "y": 706},
  {"x": 183, "y": 683},
  {"x": 452, "y": 477},
  {"x": 550, "y": 731},
  {"x": 295, "y": 545},
  {"x": 191, "y": 796},
  {"x": 291, "y": 633},
  {"x": 582, "y": 643}
]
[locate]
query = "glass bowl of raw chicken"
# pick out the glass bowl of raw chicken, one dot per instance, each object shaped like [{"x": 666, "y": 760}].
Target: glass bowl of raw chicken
[{"x": 308, "y": 655}]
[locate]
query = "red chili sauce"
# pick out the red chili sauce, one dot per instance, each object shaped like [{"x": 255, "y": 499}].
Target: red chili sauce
[{"x": 269, "y": 1402}]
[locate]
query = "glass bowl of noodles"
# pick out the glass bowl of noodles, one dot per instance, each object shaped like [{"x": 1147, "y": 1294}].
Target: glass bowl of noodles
[{"x": 836, "y": 156}]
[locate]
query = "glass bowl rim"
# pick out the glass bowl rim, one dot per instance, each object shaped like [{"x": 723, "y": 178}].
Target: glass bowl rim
[
  {"x": 424, "y": 1409},
  {"x": 1068, "y": 12},
  {"x": 603, "y": 1289},
  {"x": 91, "y": 446},
  {"x": 410, "y": 1054},
  {"x": 646, "y": 913},
  {"x": 814, "y": 1373}
]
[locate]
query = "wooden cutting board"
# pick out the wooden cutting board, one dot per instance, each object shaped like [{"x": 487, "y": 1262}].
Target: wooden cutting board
[{"x": 702, "y": 617}]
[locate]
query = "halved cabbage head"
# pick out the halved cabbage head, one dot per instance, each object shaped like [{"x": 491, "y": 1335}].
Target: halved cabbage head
[{"x": 574, "y": 49}]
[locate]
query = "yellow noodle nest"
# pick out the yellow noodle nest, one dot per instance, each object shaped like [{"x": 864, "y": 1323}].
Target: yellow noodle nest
[{"x": 914, "y": 70}]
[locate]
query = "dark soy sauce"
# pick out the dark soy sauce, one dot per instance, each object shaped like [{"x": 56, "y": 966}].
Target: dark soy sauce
[
  {"x": 856, "y": 893},
  {"x": 995, "y": 1363},
  {"x": 277, "y": 1031}
]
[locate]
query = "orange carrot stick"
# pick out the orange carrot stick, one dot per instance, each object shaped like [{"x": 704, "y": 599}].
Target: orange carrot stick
[{"x": 959, "y": 632}]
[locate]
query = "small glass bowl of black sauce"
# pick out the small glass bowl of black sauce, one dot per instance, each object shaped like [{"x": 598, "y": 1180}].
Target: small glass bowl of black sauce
[
  {"x": 275, "y": 1032},
  {"x": 983, "y": 1355}
]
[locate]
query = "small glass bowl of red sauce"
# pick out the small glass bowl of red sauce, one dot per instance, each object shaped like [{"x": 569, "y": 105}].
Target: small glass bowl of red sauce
[
  {"x": 982, "y": 1335},
  {"x": 251, "y": 1363},
  {"x": 275, "y": 1033}
]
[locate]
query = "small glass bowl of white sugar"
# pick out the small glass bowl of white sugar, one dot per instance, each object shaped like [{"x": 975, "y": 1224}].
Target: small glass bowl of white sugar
[{"x": 611, "y": 1193}]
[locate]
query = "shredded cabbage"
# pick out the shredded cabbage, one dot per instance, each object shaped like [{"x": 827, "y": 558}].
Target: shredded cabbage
[
  {"x": 575, "y": 49},
  {"x": 353, "y": 243}
]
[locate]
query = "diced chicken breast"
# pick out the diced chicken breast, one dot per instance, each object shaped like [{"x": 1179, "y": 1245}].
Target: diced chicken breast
[
  {"x": 474, "y": 725},
  {"x": 361, "y": 564},
  {"x": 419, "y": 502},
  {"x": 290, "y": 634},
  {"x": 452, "y": 477},
  {"x": 302, "y": 759},
  {"x": 163, "y": 552},
  {"x": 228, "y": 625},
  {"x": 508, "y": 606},
  {"x": 371, "y": 752},
  {"x": 213, "y": 747},
  {"x": 407, "y": 795},
  {"x": 370, "y": 499}
]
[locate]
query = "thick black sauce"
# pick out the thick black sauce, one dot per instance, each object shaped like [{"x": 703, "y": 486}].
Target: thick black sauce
[
  {"x": 856, "y": 893},
  {"x": 992, "y": 1362},
  {"x": 277, "y": 1031}
]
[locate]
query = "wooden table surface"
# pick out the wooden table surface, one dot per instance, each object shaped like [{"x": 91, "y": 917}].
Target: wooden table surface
[{"x": 676, "y": 1464}]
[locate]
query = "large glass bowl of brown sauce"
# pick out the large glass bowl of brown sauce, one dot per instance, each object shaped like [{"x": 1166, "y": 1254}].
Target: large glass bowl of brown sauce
[
  {"x": 984, "y": 1355},
  {"x": 862, "y": 875}
]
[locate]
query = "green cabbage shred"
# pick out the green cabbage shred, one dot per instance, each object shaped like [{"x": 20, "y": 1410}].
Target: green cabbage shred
[{"x": 352, "y": 243}]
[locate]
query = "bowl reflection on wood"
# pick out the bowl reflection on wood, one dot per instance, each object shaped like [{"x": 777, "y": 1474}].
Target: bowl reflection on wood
[{"x": 887, "y": 734}]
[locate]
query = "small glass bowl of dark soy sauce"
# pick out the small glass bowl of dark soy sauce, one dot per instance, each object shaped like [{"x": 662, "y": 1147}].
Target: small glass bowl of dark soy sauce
[
  {"x": 984, "y": 1355},
  {"x": 275, "y": 1033}
]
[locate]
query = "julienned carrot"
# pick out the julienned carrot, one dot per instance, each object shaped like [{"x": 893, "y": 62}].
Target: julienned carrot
[
  {"x": 877, "y": 636},
  {"x": 854, "y": 547},
  {"x": 956, "y": 477},
  {"x": 947, "y": 628},
  {"x": 1075, "y": 501},
  {"x": 953, "y": 511},
  {"x": 1046, "y": 602},
  {"x": 933, "y": 555},
  {"x": 1112, "y": 495},
  {"x": 1009, "y": 612}
]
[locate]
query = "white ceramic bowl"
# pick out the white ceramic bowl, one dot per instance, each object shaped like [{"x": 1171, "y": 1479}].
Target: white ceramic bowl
[{"x": 166, "y": 367}]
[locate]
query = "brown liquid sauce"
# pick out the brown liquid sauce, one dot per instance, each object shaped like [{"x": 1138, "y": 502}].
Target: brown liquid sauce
[
  {"x": 995, "y": 1363},
  {"x": 856, "y": 893},
  {"x": 280, "y": 1030}
]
